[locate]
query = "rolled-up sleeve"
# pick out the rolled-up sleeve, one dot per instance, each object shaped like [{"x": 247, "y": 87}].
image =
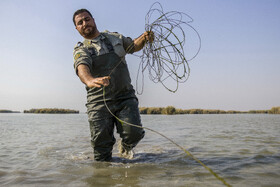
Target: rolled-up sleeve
[
  {"x": 81, "y": 56},
  {"x": 128, "y": 44}
]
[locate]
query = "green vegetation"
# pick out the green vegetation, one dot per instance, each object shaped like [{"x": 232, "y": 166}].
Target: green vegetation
[
  {"x": 172, "y": 110},
  {"x": 274, "y": 110},
  {"x": 51, "y": 111},
  {"x": 8, "y": 111},
  {"x": 169, "y": 110},
  {"x": 153, "y": 110}
]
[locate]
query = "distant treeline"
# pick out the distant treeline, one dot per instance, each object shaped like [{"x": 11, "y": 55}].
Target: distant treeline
[
  {"x": 169, "y": 110},
  {"x": 172, "y": 110},
  {"x": 51, "y": 111},
  {"x": 8, "y": 111}
]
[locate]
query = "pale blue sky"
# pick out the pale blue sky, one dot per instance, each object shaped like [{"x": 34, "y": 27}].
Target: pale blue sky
[{"x": 237, "y": 68}]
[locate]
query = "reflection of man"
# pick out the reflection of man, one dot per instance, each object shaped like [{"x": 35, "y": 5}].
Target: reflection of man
[{"x": 100, "y": 62}]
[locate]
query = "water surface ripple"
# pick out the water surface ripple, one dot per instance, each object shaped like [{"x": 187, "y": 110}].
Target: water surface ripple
[{"x": 53, "y": 150}]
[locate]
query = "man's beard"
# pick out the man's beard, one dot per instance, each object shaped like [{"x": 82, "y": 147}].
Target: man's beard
[{"x": 88, "y": 34}]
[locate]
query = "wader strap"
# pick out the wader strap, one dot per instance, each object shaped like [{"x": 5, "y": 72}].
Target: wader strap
[
  {"x": 92, "y": 51},
  {"x": 108, "y": 44}
]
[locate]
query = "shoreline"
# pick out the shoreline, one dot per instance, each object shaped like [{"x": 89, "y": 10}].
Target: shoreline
[{"x": 169, "y": 110}]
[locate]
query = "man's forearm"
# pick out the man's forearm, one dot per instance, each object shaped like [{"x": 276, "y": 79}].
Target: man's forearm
[
  {"x": 84, "y": 74},
  {"x": 139, "y": 43},
  {"x": 90, "y": 81},
  {"x": 141, "y": 40}
]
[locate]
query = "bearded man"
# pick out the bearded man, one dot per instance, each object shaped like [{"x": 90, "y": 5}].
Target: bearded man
[{"x": 99, "y": 62}]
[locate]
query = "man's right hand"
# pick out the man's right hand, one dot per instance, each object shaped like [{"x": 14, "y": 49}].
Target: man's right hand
[
  {"x": 88, "y": 80},
  {"x": 98, "y": 82}
]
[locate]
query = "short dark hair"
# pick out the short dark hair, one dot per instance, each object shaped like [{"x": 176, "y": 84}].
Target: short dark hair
[{"x": 79, "y": 12}]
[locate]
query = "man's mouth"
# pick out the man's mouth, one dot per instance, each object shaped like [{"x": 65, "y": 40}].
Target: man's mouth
[{"x": 88, "y": 27}]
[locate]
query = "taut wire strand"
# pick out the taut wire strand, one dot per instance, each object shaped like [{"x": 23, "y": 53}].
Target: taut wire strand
[{"x": 173, "y": 142}]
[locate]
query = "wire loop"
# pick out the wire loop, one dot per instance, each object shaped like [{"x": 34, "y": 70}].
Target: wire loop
[{"x": 164, "y": 59}]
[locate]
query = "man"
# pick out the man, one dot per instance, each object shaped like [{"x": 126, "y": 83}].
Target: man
[{"x": 100, "y": 64}]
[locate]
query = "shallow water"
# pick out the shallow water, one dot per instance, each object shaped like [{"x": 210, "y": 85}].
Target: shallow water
[{"x": 54, "y": 149}]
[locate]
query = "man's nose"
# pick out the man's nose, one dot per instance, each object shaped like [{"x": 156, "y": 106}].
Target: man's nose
[{"x": 84, "y": 23}]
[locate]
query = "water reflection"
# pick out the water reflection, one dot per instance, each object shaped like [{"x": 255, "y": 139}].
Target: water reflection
[{"x": 112, "y": 174}]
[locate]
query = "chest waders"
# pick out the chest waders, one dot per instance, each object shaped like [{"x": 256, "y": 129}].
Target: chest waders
[{"x": 121, "y": 99}]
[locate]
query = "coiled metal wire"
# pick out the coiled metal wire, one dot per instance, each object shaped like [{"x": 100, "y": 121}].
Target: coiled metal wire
[{"x": 165, "y": 57}]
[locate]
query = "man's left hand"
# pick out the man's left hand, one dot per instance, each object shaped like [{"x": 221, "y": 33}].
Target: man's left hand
[{"x": 149, "y": 36}]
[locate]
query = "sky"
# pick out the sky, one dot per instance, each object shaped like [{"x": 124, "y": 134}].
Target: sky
[{"x": 237, "y": 68}]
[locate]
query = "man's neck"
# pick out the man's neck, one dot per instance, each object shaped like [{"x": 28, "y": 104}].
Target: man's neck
[{"x": 95, "y": 35}]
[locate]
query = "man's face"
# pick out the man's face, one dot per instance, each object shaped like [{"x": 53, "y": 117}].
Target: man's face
[{"x": 85, "y": 25}]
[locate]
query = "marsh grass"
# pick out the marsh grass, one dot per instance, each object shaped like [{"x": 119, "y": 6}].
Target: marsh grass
[
  {"x": 169, "y": 110},
  {"x": 51, "y": 111}
]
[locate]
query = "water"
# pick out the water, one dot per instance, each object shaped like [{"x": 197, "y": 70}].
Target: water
[{"x": 54, "y": 150}]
